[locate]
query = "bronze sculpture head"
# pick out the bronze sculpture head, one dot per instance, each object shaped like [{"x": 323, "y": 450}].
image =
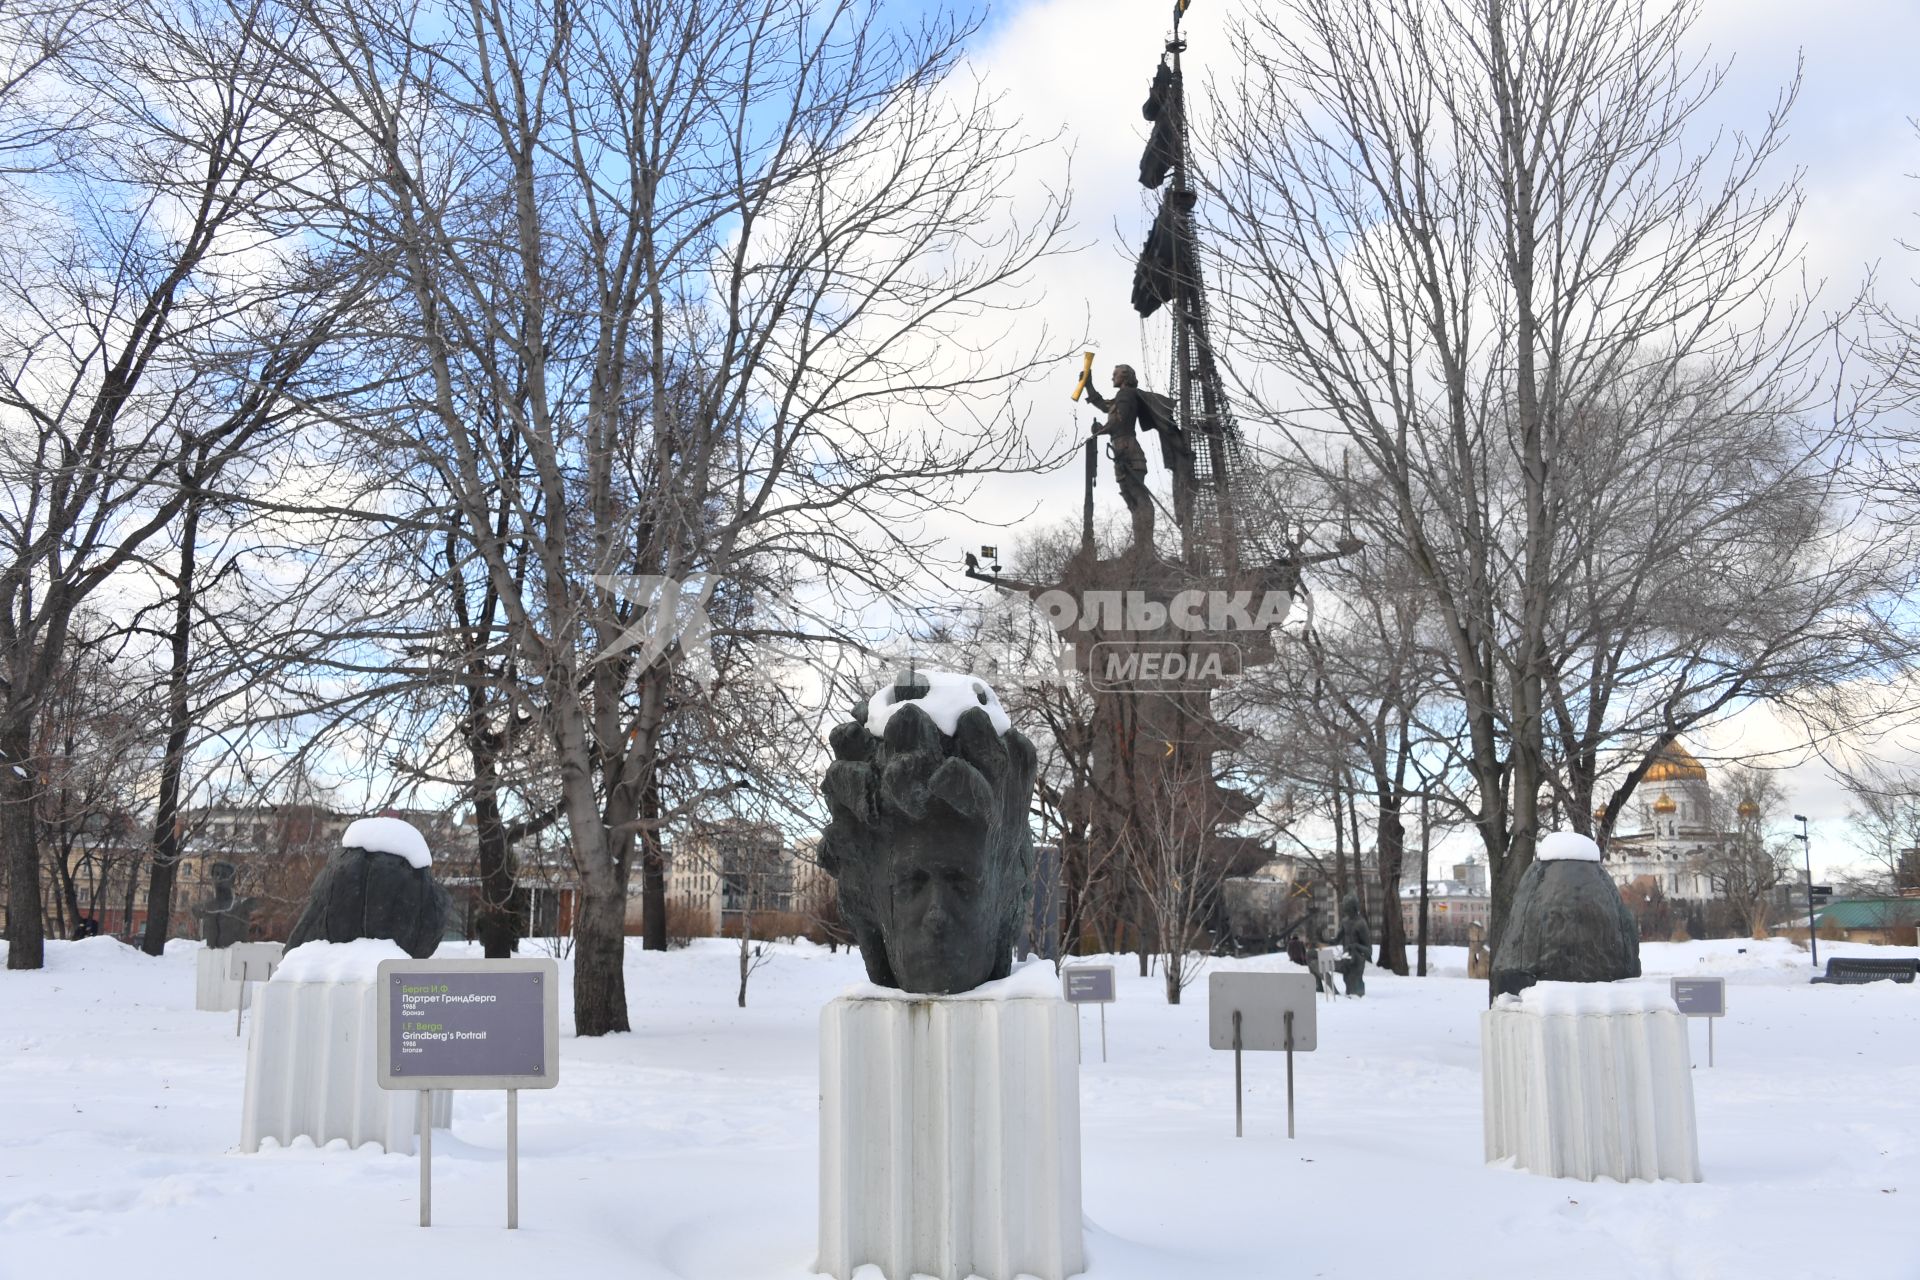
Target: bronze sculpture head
[{"x": 928, "y": 835}]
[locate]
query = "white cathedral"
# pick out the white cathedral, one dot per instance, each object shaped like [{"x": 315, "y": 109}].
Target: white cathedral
[{"x": 1674, "y": 807}]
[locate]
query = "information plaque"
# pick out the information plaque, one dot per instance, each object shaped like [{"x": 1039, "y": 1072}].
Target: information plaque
[
  {"x": 469, "y": 1024},
  {"x": 1088, "y": 983},
  {"x": 1701, "y": 997}
]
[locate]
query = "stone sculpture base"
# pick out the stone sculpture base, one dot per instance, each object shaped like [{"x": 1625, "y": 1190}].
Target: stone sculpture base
[
  {"x": 213, "y": 990},
  {"x": 1589, "y": 1080},
  {"x": 950, "y": 1134},
  {"x": 311, "y": 1067}
]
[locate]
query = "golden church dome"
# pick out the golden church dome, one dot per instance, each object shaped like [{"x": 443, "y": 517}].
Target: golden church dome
[
  {"x": 1748, "y": 809},
  {"x": 1676, "y": 764},
  {"x": 1665, "y": 804}
]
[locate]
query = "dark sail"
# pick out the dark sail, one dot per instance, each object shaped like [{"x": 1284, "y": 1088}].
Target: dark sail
[
  {"x": 1156, "y": 277},
  {"x": 1163, "y": 145}
]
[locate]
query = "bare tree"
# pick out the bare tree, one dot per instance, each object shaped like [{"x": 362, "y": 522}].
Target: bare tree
[
  {"x": 688, "y": 261},
  {"x": 1177, "y": 868},
  {"x": 1491, "y": 251},
  {"x": 1885, "y": 816},
  {"x": 162, "y": 325},
  {"x": 95, "y": 741},
  {"x": 1746, "y": 869},
  {"x": 1353, "y": 691}
]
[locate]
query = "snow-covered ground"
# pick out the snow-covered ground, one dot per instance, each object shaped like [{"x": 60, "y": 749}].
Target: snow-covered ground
[{"x": 688, "y": 1148}]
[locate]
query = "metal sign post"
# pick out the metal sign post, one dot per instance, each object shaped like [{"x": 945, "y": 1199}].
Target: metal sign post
[
  {"x": 1289, "y": 1021},
  {"x": 1090, "y": 984},
  {"x": 1702, "y": 998},
  {"x": 1239, "y": 1128},
  {"x": 1270, "y": 1011},
  {"x": 469, "y": 1024},
  {"x": 424, "y": 1114}
]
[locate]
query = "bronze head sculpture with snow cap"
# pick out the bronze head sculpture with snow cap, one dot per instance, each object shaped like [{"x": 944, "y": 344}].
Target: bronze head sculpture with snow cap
[
  {"x": 928, "y": 837},
  {"x": 1566, "y": 922},
  {"x": 379, "y": 884}
]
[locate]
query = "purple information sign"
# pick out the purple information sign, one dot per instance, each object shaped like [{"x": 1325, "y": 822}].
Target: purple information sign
[{"x": 463, "y": 1022}]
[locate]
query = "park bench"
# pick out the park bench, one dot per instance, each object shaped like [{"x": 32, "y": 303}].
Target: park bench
[{"x": 1849, "y": 969}]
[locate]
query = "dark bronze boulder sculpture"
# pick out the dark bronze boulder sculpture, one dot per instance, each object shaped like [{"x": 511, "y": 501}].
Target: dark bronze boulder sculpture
[
  {"x": 379, "y": 885},
  {"x": 928, "y": 836},
  {"x": 1567, "y": 922}
]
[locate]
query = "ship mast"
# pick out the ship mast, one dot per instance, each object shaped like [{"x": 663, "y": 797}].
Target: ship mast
[{"x": 1222, "y": 531}]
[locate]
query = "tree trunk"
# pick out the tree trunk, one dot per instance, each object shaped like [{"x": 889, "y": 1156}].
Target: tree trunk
[
  {"x": 1339, "y": 849},
  {"x": 166, "y": 821},
  {"x": 1426, "y": 857},
  {"x": 500, "y": 924},
  {"x": 1391, "y": 835},
  {"x": 1359, "y": 857},
  {"x": 599, "y": 954},
  {"x": 133, "y": 884},
  {"x": 653, "y": 872},
  {"x": 166, "y": 824},
  {"x": 69, "y": 896},
  {"x": 746, "y": 959},
  {"x": 26, "y": 928}
]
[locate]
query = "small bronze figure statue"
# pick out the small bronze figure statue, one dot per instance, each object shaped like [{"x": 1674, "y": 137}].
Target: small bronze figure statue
[
  {"x": 1130, "y": 411},
  {"x": 928, "y": 838},
  {"x": 1356, "y": 938},
  {"x": 224, "y": 918}
]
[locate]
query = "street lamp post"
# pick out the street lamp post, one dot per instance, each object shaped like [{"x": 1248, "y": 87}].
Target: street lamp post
[{"x": 1806, "y": 849}]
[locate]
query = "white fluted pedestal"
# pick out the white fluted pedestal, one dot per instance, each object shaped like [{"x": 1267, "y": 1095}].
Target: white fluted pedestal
[
  {"x": 311, "y": 1067},
  {"x": 950, "y": 1134},
  {"x": 213, "y": 990},
  {"x": 1590, "y": 1080}
]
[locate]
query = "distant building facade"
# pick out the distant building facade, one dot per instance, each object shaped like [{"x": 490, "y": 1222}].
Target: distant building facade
[
  {"x": 1453, "y": 904},
  {"x": 721, "y": 874},
  {"x": 1887, "y": 919}
]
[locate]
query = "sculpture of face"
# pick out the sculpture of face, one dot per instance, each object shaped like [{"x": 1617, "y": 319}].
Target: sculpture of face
[
  {"x": 938, "y": 909},
  {"x": 929, "y": 839}
]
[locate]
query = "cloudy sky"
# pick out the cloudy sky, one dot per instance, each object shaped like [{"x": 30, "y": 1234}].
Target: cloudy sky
[{"x": 1080, "y": 67}]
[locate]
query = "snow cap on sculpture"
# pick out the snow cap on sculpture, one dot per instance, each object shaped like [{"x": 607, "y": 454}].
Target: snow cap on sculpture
[
  {"x": 1567, "y": 922},
  {"x": 928, "y": 837},
  {"x": 1567, "y": 846},
  {"x": 379, "y": 885}
]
